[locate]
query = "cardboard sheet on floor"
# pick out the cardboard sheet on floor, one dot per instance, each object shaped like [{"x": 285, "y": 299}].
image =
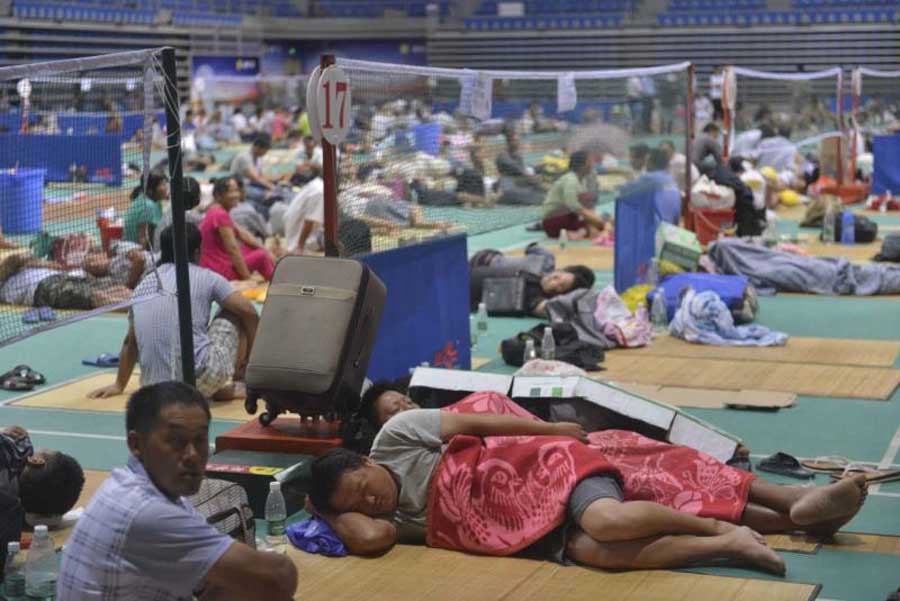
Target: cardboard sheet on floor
[
  {"x": 73, "y": 396},
  {"x": 598, "y": 258},
  {"x": 838, "y": 381},
  {"x": 704, "y": 398},
  {"x": 825, "y": 351},
  {"x": 408, "y": 572}
]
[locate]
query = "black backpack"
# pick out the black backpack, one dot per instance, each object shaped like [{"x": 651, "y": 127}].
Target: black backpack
[
  {"x": 568, "y": 347},
  {"x": 865, "y": 230},
  {"x": 890, "y": 249}
]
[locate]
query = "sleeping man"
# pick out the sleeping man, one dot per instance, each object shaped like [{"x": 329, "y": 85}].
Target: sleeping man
[{"x": 484, "y": 476}]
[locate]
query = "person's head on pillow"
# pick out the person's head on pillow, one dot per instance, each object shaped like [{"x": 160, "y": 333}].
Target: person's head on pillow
[
  {"x": 382, "y": 401},
  {"x": 567, "y": 279},
  {"x": 50, "y": 484}
]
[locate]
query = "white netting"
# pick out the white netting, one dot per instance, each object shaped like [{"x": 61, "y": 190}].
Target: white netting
[
  {"x": 875, "y": 105},
  {"x": 76, "y": 150},
  {"x": 780, "y": 120},
  {"x": 434, "y": 150}
]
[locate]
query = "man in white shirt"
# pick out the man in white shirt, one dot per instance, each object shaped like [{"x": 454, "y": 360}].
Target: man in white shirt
[{"x": 716, "y": 81}]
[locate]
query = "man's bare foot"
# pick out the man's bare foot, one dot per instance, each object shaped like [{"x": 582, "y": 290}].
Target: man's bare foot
[
  {"x": 742, "y": 543},
  {"x": 728, "y": 527},
  {"x": 839, "y": 500}
]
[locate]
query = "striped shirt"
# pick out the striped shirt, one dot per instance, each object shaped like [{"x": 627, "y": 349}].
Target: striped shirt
[
  {"x": 156, "y": 321},
  {"x": 135, "y": 544}
]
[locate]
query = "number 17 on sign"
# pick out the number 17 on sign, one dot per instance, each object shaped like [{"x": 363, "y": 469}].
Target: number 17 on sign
[{"x": 334, "y": 104}]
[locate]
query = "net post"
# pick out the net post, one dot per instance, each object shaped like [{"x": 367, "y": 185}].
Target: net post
[
  {"x": 839, "y": 99},
  {"x": 176, "y": 174},
  {"x": 329, "y": 176},
  {"x": 688, "y": 141}
]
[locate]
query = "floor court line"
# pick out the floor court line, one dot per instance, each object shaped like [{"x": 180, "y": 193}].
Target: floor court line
[{"x": 888, "y": 459}]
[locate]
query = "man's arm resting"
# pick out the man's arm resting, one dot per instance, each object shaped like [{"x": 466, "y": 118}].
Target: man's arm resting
[
  {"x": 241, "y": 573},
  {"x": 504, "y": 425},
  {"x": 363, "y": 535}
]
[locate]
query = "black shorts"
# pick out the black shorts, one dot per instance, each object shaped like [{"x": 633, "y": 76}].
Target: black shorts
[{"x": 553, "y": 545}]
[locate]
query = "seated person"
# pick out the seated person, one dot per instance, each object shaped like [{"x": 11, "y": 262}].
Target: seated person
[
  {"x": 246, "y": 165},
  {"x": 36, "y": 487},
  {"x": 658, "y": 179},
  {"x": 31, "y": 282},
  {"x": 516, "y": 185},
  {"x": 229, "y": 250},
  {"x": 708, "y": 145},
  {"x": 125, "y": 264},
  {"x": 309, "y": 162},
  {"x": 191, "y": 213},
  {"x": 247, "y": 217},
  {"x": 145, "y": 211},
  {"x": 563, "y": 208},
  {"x": 141, "y": 538},
  {"x": 749, "y": 220},
  {"x": 612, "y": 521},
  {"x": 637, "y": 159},
  {"x": 221, "y": 347},
  {"x": 304, "y": 218},
  {"x": 538, "y": 288}
]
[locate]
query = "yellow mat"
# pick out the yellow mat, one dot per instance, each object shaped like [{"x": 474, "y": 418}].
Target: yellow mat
[
  {"x": 72, "y": 396},
  {"x": 825, "y": 351},
  {"x": 794, "y": 213},
  {"x": 408, "y": 572},
  {"x": 843, "y": 541},
  {"x": 853, "y": 252},
  {"x": 598, "y": 258},
  {"x": 839, "y": 381}
]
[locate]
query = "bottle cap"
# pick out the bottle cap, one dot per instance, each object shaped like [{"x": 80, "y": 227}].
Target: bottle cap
[
  {"x": 275, "y": 486},
  {"x": 40, "y": 529},
  {"x": 12, "y": 547}
]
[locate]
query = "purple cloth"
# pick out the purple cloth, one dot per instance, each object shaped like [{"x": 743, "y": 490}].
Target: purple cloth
[{"x": 313, "y": 535}]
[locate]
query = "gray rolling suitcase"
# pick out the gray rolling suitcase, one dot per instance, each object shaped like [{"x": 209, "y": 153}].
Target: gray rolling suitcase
[{"x": 315, "y": 336}]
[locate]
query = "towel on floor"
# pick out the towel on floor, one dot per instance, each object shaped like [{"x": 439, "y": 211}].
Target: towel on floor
[{"x": 704, "y": 318}]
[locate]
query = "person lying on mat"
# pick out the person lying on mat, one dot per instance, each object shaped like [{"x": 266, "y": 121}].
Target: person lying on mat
[
  {"x": 538, "y": 288},
  {"x": 145, "y": 211},
  {"x": 31, "y": 282},
  {"x": 125, "y": 264},
  {"x": 229, "y": 250},
  {"x": 610, "y": 499},
  {"x": 36, "y": 486},
  {"x": 140, "y": 538},
  {"x": 563, "y": 207},
  {"x": 221, "y": 347}
]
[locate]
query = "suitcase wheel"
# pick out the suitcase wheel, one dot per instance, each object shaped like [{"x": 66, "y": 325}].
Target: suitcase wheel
[
  {"x": 250, "y": 405},
  {"x": 266, "y": 418}
]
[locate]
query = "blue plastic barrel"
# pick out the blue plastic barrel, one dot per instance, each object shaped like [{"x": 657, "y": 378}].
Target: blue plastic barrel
[
  {"x": 22, "y": 201},
  {"x": 428, "y": 138}
]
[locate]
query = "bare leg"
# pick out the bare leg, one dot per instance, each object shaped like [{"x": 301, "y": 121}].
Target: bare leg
[
  {"x": 820, "y": 510},
  {"x": 674, "y": 551}
]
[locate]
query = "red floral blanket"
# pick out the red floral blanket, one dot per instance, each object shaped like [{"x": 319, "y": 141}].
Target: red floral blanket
[{"x": 498, "y": 495}]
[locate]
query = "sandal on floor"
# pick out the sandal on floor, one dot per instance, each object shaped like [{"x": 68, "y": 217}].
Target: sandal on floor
[
  {"x": 47, "y": 314},
  {"x": 785, "y": 465},
  {"x": 873, "y": 475},
  {"x": 31, "y": 316},
  {"x": 15, "y": 384},
  {"x": 826, "y": 465},
  {"x": 26, "y": 374},
  {"x": 102, "y": 360}
]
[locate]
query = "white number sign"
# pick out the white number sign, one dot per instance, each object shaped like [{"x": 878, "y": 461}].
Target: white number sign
[
  {"x": 312, "y": 110},
  {"x": 333, "y": 100}
]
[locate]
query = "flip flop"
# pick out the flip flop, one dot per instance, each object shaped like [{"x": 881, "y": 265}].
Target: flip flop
[
  {"x": 31, "y": 316},
  {"x": 26, "y": 374},
  {"x": 46, "y": 314},
  {"x": 873, "y": 475},
  {"x": 785, "y": 465},
  {"x": 102, "y": 360},
  {"x": 826, "y": 465},
  {"x": 15, "y": 384}
]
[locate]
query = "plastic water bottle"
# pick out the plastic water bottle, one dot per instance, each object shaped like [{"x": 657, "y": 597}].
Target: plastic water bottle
[
  {"x": 482, "y": 318},
  {"x": 828, "y": 224},
  {"x": 653, "y": 273},
  {"x": 530, "y": 352},
  {"x": 276, "y": 514},
  {"x": 659, "y": 314},
  {"x": 14, "y": 573},
  {"x": 563, "y": 238},
  {"x": 40, "y": 567},
  {"x": 548, "y": 345},
  {"x": 473, "y": 332},
  {"x": 848, "y": 228},
  {"x": 888, "y": 197}
]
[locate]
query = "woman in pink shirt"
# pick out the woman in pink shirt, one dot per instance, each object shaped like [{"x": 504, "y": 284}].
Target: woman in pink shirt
[{"x": 228, "y": 249}]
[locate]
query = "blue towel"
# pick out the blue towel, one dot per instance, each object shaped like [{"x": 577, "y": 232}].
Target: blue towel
[
  {"x": 703, "y": 318},
  {"x": 314, "y": 535}
]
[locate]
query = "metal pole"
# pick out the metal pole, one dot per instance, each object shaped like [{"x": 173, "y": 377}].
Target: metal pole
[
  {"x": 839, "y": 98},
  {"x": 329, "y": 176},
  {"x": 726, "y": 115},
  {"x": 688, "y": 142},
  {"x": 176, "y": 174}
]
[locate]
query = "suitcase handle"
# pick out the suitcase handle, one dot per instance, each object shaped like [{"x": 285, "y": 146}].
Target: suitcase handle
[
  {"x": 323, "y": 292},
  {"x": 364, "y": 335}
]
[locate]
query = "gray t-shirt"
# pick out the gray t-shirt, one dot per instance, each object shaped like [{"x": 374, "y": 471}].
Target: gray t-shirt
[
  {"x": 242, "y": 164},
  {"x": 19, "y": 288},
  {"x": 120, "y": 264},
  {"x": 410, "y": 446},
  {"x": 156, "y": 320}
]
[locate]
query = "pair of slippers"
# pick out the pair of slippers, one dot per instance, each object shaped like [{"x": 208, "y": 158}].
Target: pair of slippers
[
  {"x": 841, "y": 467},
  {"x": 21, "y": 378},
  {"x": 102, "y": 360},
  {"x": 38, "y": 315}
]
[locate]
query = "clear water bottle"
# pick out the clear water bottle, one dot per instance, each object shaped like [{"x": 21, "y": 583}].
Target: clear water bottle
[
  {"x": 276, "y": 515},
  {"x": 828, "y": 226},
  {"x": 14, "y": 573},
  {"x": 473, "y": 332},
  {"x": 40, "y": 568},
  {"x": 659, "y": 314},
  {"x": 653, "y": 273},
  {"x": 563, "y": 238},
  {"x": 848, "y": 228},
  {"x": 482, "y": 318},
  {"x": 888, "y": 197},
  {"x": 530, "y": 352},
  {"x": 548, "y": 345}
]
